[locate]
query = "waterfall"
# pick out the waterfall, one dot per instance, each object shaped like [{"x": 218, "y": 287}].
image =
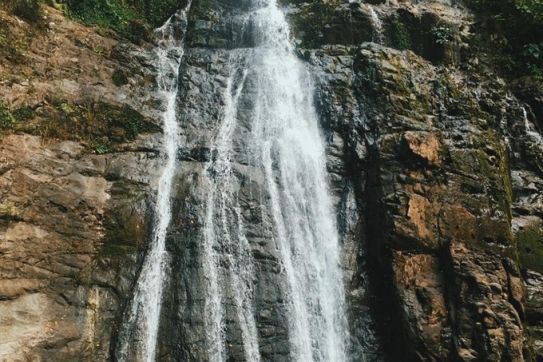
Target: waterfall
[
  {"x": 284, "y": 143},
  {"x": 224, "y": 231},
  {"x": 531, "y": 130},
  {"x": 378, "y": 32},
  {"x": 288, "y": 146},
  {"x": 138, "y": 335}
]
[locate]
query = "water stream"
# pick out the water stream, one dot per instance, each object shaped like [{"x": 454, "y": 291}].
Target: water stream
[
  {"x": 285, "y": 145},
  {"x": 139, "y": 332}
]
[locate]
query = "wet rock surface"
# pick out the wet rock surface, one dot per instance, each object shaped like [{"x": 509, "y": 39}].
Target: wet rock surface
[{"x": 434, "y": 164}]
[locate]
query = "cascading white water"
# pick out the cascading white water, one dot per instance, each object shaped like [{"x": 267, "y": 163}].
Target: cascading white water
[
  {"x": 224, "y": 231},
  {"x": 378, "y": 31},
  {"x": 530, "y": 129},
  {"x": 139, "y": 332},
  {"x": 287, "y": 145}
]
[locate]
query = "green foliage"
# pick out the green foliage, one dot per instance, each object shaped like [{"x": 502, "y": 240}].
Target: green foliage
[
  {"x": 6, "y": 118},
  {"x": 23, "y": 114},
  {"x": 132, "y": 18},
  {"x": 532, "y": 55},
  {"x": 67, "y": 108},
  {"x": 104, "y": 13},
  {"x": 101, "y": 148},
  {"x": 511, "y": 33},
  {"x": 29, "y": 10},
  {"x": 442, "y": 34},
  {"x": 398, "y": 33},
  {"x": 531, "y": 8}
]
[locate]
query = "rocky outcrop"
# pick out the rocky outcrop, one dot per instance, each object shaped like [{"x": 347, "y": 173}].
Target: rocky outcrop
[
  {"x": 77, "y": 169},
  {"x": 434, "y": 163},
  {"x": 435, "y": 145}
]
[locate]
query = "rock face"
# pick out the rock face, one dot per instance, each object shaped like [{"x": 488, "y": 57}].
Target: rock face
[
  {"x": 434, "y": 164},
  {"x": 78, "y": 172}
]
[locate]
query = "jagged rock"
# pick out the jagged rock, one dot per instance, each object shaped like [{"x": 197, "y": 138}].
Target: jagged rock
[{"x": 433, "y": 165}]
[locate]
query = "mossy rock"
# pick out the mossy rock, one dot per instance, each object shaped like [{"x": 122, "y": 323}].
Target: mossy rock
[
  {"x": 426, "y": 34},
  {"x": 530, "y": 247},
  {"x": 131, "y": 18},
  {"x": 100, "y": 125},
  {"x": 119, "y": 78}
]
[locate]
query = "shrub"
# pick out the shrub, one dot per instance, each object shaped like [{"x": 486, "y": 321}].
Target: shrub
[
  {"x": 531, "y": 8},
  {"x": 128, "y": 17},
  {"x": 6, "y": 118},
  {"x": 29, "y": 10},
  {"x": 23, "y": 114},
  {"x": 101, "y": 148},
  {"x": 511, "y": 32},
  {"x": 442, "y": 34},
  {"x": 398, "y": 33},
  {"x": 104, "y": 13}
]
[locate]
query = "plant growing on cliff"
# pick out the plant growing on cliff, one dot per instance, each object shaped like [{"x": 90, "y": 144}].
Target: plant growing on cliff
[
  {"x": 6, "y": 118},
  {"x": 531, "y": 8},
  {"x": 29, "y": 10},
  {"x": 398, "y": 33},
  {"x": 510, "y": 34},
  {"x": 105, "y": 13},
  {"x": 132, "y": 18},
  {"x": 442, "y": 34}
]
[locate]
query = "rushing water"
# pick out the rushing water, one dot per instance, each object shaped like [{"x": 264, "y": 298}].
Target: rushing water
[
  {"x": 530, "y": 129},
  {"x": 138, "y": 335},
  {"x": 286, "y": 145},
  {"x": 290, "y": 149},
  {"x": 378, "y": 32},
  {"x": 224, "y": 231}
]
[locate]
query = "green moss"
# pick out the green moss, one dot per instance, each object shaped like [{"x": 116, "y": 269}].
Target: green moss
[
  {"x": 23, "y": 114},
  {"x": 530, "y": 247},
  {"x": 132, "y": 18},
  {"x": 398, "y": 33},
  {"x": 309, "y": 23},
  {"x": 6, "y": 118},
  {"x": 493, "y": 163},
  {"x": 101, "y": 126},
  {"x": 414, "y": 100}
]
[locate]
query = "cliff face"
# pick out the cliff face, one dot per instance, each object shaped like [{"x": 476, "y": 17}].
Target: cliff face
[
  {"x": 78, "y": 163},
  {"x": 435, "y": 164}
]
